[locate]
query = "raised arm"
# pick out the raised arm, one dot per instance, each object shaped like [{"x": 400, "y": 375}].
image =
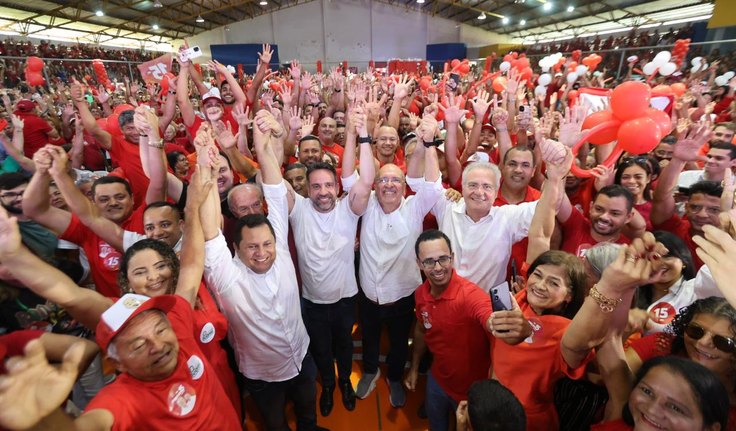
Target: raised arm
[
  {"x": 453, "y": 115},
  {"x": 265, "y": 58},
  {"x": 500, "y": 120},
  {"x": 481, "y": 103},
  {"x": 228, "y": 143},
  {"x": 182, "y": 93},
  {"x": 36, "y": 204},
  {"x": 151, "y": 149},
  {"x": 361, "y": 191},
  {"x": 207, "y": 157},
  {"x": 103, "y": 138},
  {"x": 401, "y": 91},
  {"x": 270, "y": 168},
  {"x": 192, "y": 250},
  {"x": 15, "y": 149},
  {"x": 220, "y": 68}
]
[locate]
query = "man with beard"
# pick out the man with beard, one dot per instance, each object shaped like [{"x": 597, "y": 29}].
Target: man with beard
[
  {"x": 326, "y": 132},
  {"x": 389, "y": 229},
  {"x": 610, "y": 211},
  {"x": 296, "y": 175},
  {"x": 310, "y": 150},
  {"x": 325, "y": 228}
]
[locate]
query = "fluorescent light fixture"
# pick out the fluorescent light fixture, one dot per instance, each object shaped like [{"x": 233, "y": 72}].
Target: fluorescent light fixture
[
  {"x": 656, "y": 24},
  {"x": 694, "y": 18},
  {"x": 584, "y": 35},
  {"x": 99, "y": 13},
  {"x": 420, "y": 1},
  {"x": 547, "y": 6},
  {"x": 615, "y": 30},
  {"x": 157, "y": 3},
  {"x": 522, "y": 22},
  {"x": 615, "y": 47},
  {"x": 199, "y": 18},
  {"x": 155, "y": 26},
  {"x": 263, "y": 3},
  {"x": 570, "y": 8},
  {"x": 482, "y": 15},
  {"x": 505, "y": 20}
]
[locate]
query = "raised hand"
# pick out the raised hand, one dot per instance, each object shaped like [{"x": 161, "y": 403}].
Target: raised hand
[
  {"x": 481, "y": 103},
  {"x": 295, "y": 70},
  {"x": 500, "y": 116},
  {"x": 285, "y": 95},
  {"x": 102, "y": 95},
  {"x": 267, "y": 98},
  {"x": 453, "y": 113},
  {"x": 686, "y": 149},
  {"x": 306, "y": 81},
  {"x": 242, "y": 116},
  {"x": 427, "y": 129},
  {"x": 513, "y": 80},
  {"x": 265, "y": 54},
  {"x": 401, "y": 89},
  {"x": 42, "y": 159},
  {"x": 146, "y": 121},
  {"x": 18, "y": 123},
  {"x": 571, "y": 125},
  {"x": 603, "y": 176},
  {"x": 199, "y": 187},
  {"x": 557, "y": 167},
  {"x": 413, "y": 120},
  {"x": 10, "y": 241},
  {"x": 295, "y": 121},
  {"x": 307, "y": 125},
  {"x": 60, "y": 161},
  {"x": 218, "y": 67},
  {"x": 224, "y": 134},
  {"x": 374, "y": 105}
]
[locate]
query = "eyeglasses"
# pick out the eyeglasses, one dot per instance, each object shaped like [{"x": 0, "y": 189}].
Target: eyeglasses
[
  {"x": 475, "y": 186},
  {"x": 386, "y": 180},
  {"x": 724, "y": 344},
  {"x": 442, "y": 260},
  {"x": 11, "y": 195}
]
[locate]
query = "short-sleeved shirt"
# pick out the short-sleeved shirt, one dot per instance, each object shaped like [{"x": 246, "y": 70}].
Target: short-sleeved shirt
[
  {"x": 191, "y": 398},
  {"x": 455, "y": 332},
  {"x": 104, "y": 259},
  {"x": 534, "y": 385},
  {"x": 127, "y": 157},
  {"x": 518, "y": 250},
  {"x": 13, "y": 344},
  {"x": 680, "y": 227},
  {"x": 35, "y": 132},
  {"x": 336, "y": 151},
  {"x": 576, "y": 236}
]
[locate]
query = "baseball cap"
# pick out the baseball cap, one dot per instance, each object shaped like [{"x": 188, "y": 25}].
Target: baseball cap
[
  {"x": 213, "y": 93},
  {"x": 25, "y": 105},
  {"x": 130, "y": 305},
  {"x": 489, "y": 126}
]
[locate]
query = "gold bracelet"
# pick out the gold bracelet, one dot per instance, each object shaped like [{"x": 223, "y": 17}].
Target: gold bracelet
[
  {"x": 156, "y": 144},
  {"x": 607, "y": 304}
]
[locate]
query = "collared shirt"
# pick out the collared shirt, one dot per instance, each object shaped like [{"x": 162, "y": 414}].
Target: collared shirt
[
  {"x": 455, "y": 332},
  {"x": 388, "y": 269},
  {"x": 688, "y": 178},
  {"x": 130, "y": 238},
  {"x": 266, "y": 327},
  {"x": 325, "y": 245},
  {"x": 483, "y": 248}
]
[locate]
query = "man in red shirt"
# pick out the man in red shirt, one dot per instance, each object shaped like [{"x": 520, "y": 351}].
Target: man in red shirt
[
  {"x": 454, "y": 317},
  {"x": 610, "y": 212},
  {"x": 326, "y": 132},
  {"x": 37, "y": 132},
  {"x": 166, "y": 382}
]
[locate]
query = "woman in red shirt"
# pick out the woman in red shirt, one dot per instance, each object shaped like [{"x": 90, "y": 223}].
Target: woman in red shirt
[{"x": 635, "y": 175}]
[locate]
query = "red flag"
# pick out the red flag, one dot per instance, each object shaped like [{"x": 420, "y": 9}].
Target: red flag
[{"x": 154, "y": 70}]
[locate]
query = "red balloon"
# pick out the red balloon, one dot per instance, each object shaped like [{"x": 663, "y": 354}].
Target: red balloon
[
  {"x": 526, "y": 74},
  {"x": 595, "y": 119},
  {"x": 508, "y": 57},
  {"x": 499, "y": 84},
  {"x": 522, "y": 63},
  {"x": 576, "y": 55},
  {"x": 639, "y": 135},
  {"x": 34, "y": 78},
  {"x": 662, "y": 88},
  {"x": 455, "y": 63},
  {"x": 678, "y": 88},
  {"x": 424, "y": 84},
  {"x": 34, "y": 64},
  {"x": 588, "y": 61},
  {"x": 630, "y": 100},
  {"x": 572, "y": 66},
  {"x": 662, "y": 119},
  {"x": 464, "y": 68}
]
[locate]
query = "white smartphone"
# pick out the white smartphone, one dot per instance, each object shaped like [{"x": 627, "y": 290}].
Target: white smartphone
[{"x": 190, "y": 53}]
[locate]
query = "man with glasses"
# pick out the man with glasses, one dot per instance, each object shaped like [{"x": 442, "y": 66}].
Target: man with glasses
[
  {"x": 453, "y": 316},
  {"x": 388, "y": 278}
]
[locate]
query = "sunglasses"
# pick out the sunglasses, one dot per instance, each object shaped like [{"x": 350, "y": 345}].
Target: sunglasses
[{"x": 724, "y": 344}]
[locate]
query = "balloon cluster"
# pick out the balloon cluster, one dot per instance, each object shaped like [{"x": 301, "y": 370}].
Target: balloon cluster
[
  {"x": 425, "y": 82},
  {"x": 519, "y": 62},
  {"x": 552, "y": 61},
  {"x": 33, "y": 72},
  {"x": 723, "y": 79},
  {"x": 99, "y": 67},
  {"x": 661, "y": 63},
  {"x": 680, "y": 51},
  {"x": 592, "y": 61},
  {"x": 631, "y": 121},
  {"x": 461, "y": 67},
  {"x": 698, "y": 64}
]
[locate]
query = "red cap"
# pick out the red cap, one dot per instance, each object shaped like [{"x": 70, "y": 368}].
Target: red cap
[
  {"x": 115, "y": 318},
  {"x": 25, "y": 105}
]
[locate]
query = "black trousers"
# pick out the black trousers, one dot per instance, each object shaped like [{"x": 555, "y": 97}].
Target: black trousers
[{"x": 330, "y": 328}]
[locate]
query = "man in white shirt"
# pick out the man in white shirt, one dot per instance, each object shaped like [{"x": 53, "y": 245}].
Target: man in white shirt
[
  {"x": 389, "y": 230},
  {"x": 325, "y": 228},
  {"x": 258, "y": 293},
  {"x": 720, "y": 156}
]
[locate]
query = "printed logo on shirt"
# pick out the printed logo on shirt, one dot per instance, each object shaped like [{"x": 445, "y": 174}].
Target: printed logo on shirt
[
  {"x": 182, "y": 399},
  {"x": 208, "y": 333},
  {"x": 536, "y": 329},
  {"x": 582, "y": 248},
  {"x": 109, "y": 256},
  {"x": 426, "y": 320},
  {"x": 196, "y": 367},
  {"x": 662, "y": 313}
]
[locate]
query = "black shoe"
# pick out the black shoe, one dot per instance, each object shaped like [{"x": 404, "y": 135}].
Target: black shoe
[
  {"x": 348, "y": 395},
  {"x": 325, "y": 401}
]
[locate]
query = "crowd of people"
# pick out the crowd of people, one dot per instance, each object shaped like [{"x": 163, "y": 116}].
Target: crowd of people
[{"x": 171, "y": 254}]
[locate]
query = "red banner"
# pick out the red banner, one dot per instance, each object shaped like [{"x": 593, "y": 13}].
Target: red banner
[{"x": 154, "y": 70}]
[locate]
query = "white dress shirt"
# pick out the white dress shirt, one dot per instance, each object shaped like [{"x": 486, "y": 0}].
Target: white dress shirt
[
  {"x": 325, "y": 245},
  {"x": 482, "y": 249},
  {"x": 263, "y": 310},
  {"x": 130, "y": 238},
  {"x": 388, "y": 269}
]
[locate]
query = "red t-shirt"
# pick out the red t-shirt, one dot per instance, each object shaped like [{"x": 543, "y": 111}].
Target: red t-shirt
[
  {"x": 681, "y": 228},
  {"x": 13, "y": 344},
  {"x": 227, "y": 118},
  {"x": 518, "y": 250},
  {"x": 127, "y": 157},
  {"x": 617, "y": 425},
  {"x": 35, "y": 132},
  {"x": 455, "y": 333},
  {"x": 653, "y": 345},
  {"x": 104, "y": 260},
  {"x": 583, "y": 196},
  {"x": 534, "y": 385},
  {"x": 576, "y": 236},
  {"x": 336, "y": 151},
  {"x": 645, "y": 210},
  {"x": 210, "y": 328},
  {"x": 191, "y": 398}
]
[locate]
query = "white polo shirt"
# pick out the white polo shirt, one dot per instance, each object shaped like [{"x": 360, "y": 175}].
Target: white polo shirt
[
  {"x": 482, "y": 249},
  {"x": 388, "y": 269},
  {"x": 325, "y": 244},
  {"x": 264, "y": 312}
]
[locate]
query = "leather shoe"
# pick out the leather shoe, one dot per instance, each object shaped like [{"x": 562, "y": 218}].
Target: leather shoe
[
  {"x": 348, "y": 395},
  {"x": 326, "y": 402}
]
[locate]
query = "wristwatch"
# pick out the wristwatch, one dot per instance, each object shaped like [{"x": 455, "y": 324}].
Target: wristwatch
[
  {"x": 436, "y": 143},
  {"x": 367, "y": 140}
]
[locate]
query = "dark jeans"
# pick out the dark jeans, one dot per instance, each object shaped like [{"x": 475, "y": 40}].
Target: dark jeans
[
  {"x": 398, "y": 317},
  {"x": 440, "y": 406},
  {"x": 331, "y": 325},
  {"x": 270, "y": 398}
]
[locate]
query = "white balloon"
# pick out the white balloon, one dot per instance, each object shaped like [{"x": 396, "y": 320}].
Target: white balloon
[
  {"x": 557, "y": 55},
  {"x": 729, "y": 75},
  {"x": 667, "y": 69},
  {"x": 721, "y": 81},
  {"x": 540, "y": 90},
  {"x": 649, "y": 68},
  {"x": 505, "y": 66},
  {"x": 572, "y": 77},
  {"x": 696, "y": 61},
  {"x": 662, "y": 58},
  {"x": 544, "y": 79},
  {"x": 581, "y": 70},
  {"x": 545, "y": 69},
  {"x": 632, "y": 59}
]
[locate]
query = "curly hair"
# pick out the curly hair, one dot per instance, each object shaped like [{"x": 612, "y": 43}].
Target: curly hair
[
  {"x": 713, "y": 305},
  {"x": 166, "y": 252}
]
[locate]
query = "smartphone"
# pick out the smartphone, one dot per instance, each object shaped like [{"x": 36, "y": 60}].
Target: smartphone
[
  {"x": 190, "y": 53},
  {"x": 514, "y": 271},
  {"x": 501, "y": 297},
  {"x": 453, "y": 82}
]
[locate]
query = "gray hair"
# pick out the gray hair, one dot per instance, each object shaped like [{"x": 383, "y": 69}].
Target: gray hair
[
  {"x": 601, "y": 255},
  {"x": 486, "y": 166},
  {"x": 243, "y": 186}
]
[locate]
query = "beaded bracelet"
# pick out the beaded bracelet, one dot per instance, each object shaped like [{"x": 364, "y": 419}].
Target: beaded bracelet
[{"x": 607, "y": 304}]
